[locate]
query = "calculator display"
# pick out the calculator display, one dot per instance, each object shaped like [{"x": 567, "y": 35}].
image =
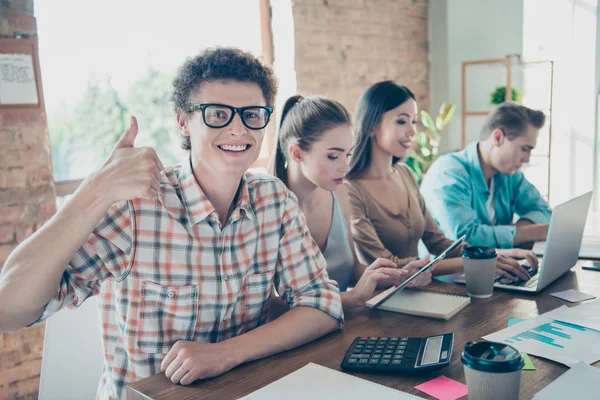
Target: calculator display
[{"x": 431, "y": 353}]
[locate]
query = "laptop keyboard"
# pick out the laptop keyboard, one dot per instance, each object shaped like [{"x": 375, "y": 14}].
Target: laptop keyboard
[{"x": 531, "y": 282}]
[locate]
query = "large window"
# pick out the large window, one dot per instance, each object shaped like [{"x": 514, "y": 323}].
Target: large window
[
  {"x": 114, "y": 58},
  {"x": 565, "y": 31}
]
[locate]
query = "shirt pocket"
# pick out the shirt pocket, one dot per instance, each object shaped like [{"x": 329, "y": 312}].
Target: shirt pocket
[
  {"x": 168, "y": 314},
  {"x": 257, "y": 290}
]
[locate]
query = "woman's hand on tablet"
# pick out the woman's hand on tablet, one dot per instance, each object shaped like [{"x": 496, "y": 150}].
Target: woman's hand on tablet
[{"x": 382, "y": 273}]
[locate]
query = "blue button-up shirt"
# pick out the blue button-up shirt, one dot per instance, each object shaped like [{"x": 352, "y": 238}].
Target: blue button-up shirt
[{"x": 456, "y": 193}]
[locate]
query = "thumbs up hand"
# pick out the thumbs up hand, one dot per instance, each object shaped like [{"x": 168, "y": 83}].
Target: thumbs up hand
[{"x": 130, "y": 172}]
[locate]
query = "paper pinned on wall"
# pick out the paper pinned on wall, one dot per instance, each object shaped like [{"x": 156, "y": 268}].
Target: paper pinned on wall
[{"x": 17, "y": 80}]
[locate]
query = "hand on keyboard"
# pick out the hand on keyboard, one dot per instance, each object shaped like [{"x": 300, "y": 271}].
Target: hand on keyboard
[
  {"x": 516, "y": 281},
  {"x": 509, "y": 267}
]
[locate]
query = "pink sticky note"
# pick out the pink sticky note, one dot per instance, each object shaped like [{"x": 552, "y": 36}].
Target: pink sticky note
[{"x": 443, "y": 388}]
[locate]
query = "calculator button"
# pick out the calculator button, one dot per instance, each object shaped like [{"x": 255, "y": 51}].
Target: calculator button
[
  {"x": 394, "y": 339},
  {"x": 401, "y": 347},
  {"x": 388, "y": 352},
  {"x": 373, "y": 338},
  {"x": 376, "y": 356},
  {"x": 378, "y": 352},
  {"x": 384, "y": 362},
  {"x": 404, "y": 338},
  {"x": 363, "y": 361},
  {"x": 363, "y": 338},
  {"x": 398, "y": 357},
  {"x": 396, "y": 362},
  {"x": 363, "y": 356},
  {"x": 369, "y": 347},
  {"x": 353, "y": 361},
  {"x": 387, "y": 356},
  {"x": 374, "y": 362},
  {"x": 399, "y": 352},
  {"x": 361, "y": 341}
]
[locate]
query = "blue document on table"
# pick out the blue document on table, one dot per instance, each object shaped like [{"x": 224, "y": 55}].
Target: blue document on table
[{"x": 548, "y": 337}]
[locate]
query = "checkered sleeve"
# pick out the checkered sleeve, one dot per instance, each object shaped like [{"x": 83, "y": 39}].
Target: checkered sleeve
[
  {"x": 104, "y": 254},
  {"x": 301, "y": 275}
]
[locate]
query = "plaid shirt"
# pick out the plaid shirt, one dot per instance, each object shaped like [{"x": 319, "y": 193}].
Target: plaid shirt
[{"x": 165, "y": 270}]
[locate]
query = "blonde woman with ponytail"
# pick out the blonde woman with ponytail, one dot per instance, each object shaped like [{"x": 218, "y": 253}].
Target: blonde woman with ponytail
[{"x": 313, "y": 148}]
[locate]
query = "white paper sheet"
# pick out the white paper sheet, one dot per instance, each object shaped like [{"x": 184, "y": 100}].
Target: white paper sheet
[
  {"x": 545, "y": 337},
  {"x": 580, "y": 382},
  {"x": 316, "y": 382},
  {"x": 17, "y": 79},
  {"x": 586, "y": 314},
  {"x": 572, "y": 295}
]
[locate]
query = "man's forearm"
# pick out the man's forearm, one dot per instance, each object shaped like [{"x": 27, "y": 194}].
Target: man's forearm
[
  {"x": 294, "y": 328},
  {"x": 530, "y": 233},
  {"x": 31, "y": 275}
]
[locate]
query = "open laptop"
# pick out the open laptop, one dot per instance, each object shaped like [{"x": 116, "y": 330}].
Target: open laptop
[{"x": 562, "y": 247}]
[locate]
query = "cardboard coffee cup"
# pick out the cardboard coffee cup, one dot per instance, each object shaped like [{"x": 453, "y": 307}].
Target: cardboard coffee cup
[
  {"x": 492, "y": 370},
  {"x": 480, "y": 270}
]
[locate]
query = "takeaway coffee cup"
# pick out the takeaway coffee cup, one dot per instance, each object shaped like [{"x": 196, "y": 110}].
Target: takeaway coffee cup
[
  {"x": 492, "y": 370},
  {"x": 480, "y": 270}
]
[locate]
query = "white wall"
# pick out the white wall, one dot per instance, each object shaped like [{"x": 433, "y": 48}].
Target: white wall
[{"x": 463, "y": 30}]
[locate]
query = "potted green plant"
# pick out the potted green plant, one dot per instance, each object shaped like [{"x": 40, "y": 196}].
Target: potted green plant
[
  {"x": 426, "y": 148},
  {"x": 498, "y": 96}
]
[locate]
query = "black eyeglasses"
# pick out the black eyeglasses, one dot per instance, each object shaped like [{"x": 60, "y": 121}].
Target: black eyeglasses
[{"x": 221, "y": 115}]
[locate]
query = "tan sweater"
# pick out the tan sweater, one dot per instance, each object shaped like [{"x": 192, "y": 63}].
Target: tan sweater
[{"x": 380, "y": 233}]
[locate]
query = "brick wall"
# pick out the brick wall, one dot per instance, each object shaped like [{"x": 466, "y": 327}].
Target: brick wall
[
  {"x": 27, "y": 199},
  {"x": 344, "y": 46}
]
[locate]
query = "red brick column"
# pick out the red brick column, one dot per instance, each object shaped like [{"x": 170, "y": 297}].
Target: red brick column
[{"x": 27, "y": 199}]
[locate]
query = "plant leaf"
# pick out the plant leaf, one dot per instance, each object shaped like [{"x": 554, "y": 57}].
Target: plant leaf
[
  {"x": 427, "y": 121},
  {"x": 439, "y": 123},
  {"x": 421, "y": 139},
  {"x": 448, "y": 112},
  {"x": 414, "y": 162}
]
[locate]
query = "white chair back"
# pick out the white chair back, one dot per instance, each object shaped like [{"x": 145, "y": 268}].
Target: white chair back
[{"x": 72, "y": 358}]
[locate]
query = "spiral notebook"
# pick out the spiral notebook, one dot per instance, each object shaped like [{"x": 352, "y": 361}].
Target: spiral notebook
[{"x": 424, "y": 303}]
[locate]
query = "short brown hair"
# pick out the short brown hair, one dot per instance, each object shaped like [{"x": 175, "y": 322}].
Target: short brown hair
[
  {"x": 220, "y": 63},
  {"x": 512, "y": 119}
]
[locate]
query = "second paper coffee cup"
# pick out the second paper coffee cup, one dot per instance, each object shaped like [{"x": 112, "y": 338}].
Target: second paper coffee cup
[{"x": 480, "y": 270}]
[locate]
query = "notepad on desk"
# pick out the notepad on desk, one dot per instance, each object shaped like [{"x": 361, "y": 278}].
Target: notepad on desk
[{"x": 424, "y": 303}]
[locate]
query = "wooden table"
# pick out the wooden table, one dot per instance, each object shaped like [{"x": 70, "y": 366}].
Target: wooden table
[{"x": 482, "y": 317}]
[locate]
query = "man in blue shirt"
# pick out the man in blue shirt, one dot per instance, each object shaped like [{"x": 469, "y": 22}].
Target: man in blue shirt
[{"x": 477, "y": 191}]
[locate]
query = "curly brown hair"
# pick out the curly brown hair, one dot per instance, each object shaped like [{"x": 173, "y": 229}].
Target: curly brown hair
[{"x": 217, "y": 64}]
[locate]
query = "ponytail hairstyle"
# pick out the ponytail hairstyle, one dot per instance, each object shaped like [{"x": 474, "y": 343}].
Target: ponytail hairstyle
[
  {"x": 303, "y": 122},
  {"x": 376, "y": 101}
]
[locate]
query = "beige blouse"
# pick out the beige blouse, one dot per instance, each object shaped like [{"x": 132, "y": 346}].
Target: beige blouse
[{"x": 380, "y": 233}]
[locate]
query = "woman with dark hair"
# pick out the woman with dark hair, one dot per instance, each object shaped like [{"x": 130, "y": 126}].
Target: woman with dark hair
[
  {"x": 389, "y": 216},
  {"x": 313, "y": 147}
]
